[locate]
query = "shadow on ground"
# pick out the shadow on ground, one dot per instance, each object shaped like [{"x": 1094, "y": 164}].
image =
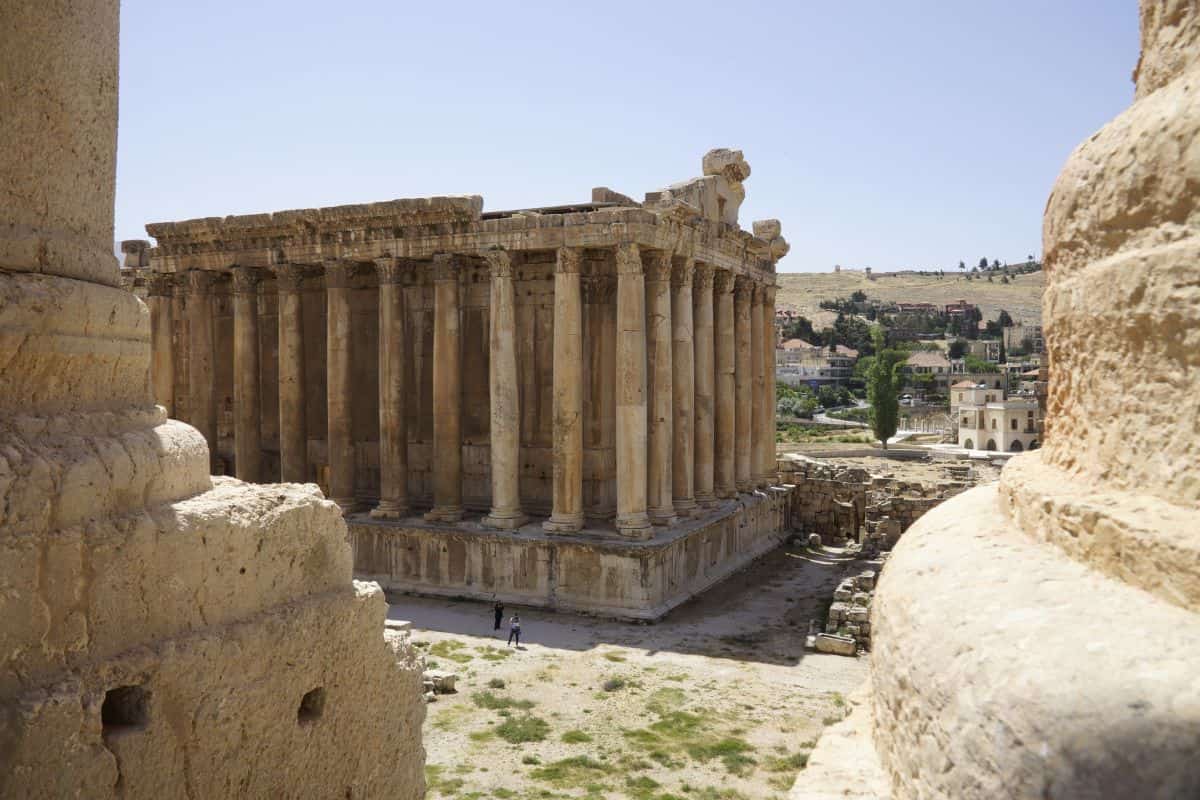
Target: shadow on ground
[{"x": 760, "y": 615}]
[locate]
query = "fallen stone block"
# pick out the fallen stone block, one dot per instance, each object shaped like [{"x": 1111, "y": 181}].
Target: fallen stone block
[{"x": 837, "y": 645}]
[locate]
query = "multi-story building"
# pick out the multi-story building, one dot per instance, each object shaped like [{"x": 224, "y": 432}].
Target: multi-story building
[
  {"x": 990, "y": 420},
  {"x": 800, "y": 362}
]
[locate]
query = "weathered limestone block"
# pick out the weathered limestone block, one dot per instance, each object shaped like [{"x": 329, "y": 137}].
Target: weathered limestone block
[{"x": 838, "y": 645}]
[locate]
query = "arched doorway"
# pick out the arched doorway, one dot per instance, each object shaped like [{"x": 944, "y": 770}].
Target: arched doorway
[
  {"x": 991, "y": 445},
  {"x": 969, "y": 444},
  {"x": 1016, "y": 447}
]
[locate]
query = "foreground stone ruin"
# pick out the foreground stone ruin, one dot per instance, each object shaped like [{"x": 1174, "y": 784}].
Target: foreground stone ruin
[
  {"x": 165, "y": 633},
  {"x": 446, "y": 374},
  {"x": 1040, "y": 638}
]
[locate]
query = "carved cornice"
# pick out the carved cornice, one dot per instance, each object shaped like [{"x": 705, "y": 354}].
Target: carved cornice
[
  {"x": 703, "y": 276},
  {"x": 289, "y": 277},
  {"x": 245, "y": 280},
  {"x": 445, "y": 267},
  {"x": 658, "y": 265},
  {"x": 568, "y": 260},
  {"x": 499, "y": 263},
  {"x": 338, "y": 272},
  {"x": 199, "y": 281},
  {"x": 723, "y": 281},
  {"x": 681, "y": 272},
  {"x": 161, "y": 284},
  {"x": 629, "y": 259},
  {"x": 599, "y": 289}
]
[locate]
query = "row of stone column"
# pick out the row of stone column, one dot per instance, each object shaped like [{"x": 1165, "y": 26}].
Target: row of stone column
[{"x": 694, "y": 385}]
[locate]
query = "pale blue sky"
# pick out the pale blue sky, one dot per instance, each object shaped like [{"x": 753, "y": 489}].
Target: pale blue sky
[{"x": 883, "y": 134}]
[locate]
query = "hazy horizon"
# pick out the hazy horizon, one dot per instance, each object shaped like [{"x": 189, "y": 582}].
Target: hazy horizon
[{"x": 882, "y": 137}]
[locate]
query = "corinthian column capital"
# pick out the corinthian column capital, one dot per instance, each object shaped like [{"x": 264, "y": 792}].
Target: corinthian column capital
[
  {"x": 337, "y": 273},
  {"x": 289, "y": 278},
  {"x": 568, "y": 260},
  {"x": 499, "y": 262},
  {"x": 722, "y": 281},
  {"x": 629, "y": 259},
  {"x": 703, "y": 276},
  {"x": 246, "y": 280},
  {"x": 199, "y": 281},
  {"x": 389, "y": 269},
  {"x": 681, "y": 271},
  {"x": 658, "y": 266}
]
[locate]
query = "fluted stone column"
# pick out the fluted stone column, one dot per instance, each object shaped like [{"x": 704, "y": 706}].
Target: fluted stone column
[
  {"x": 339, "y": 441},
  {"x": 293, "y": 419},
  {"x": 247, "y": 402},
  {"x": 769, "y": 470},
  {"x": 393, "y": 392},
  {"x": 724, "y": 478},
  {"x": 702, "y": 296},
  {"x": 757, "y": 420},
  {"x": 202, "y": 408},
  {"x": 505, "y": 398},
  {"x": 632, "y": 520},
  {"x": 660, "y": 417},
  {"x": 683, "y": 387},
  {"x": 743, "y": 387},
  {"x": 162, "y": 363},
  {"x": 567, "y": 503},
  {"x": 447, "y": 392}
]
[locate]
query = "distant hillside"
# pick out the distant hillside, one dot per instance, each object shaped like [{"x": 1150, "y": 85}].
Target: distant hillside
[{"x": 803, "y": 291}]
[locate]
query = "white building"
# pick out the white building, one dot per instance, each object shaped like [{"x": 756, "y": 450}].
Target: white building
[{"x": 989, "y": 420}]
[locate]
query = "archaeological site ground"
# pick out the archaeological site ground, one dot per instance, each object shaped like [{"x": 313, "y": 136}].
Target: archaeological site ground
[{"x": 416, "y": 498}]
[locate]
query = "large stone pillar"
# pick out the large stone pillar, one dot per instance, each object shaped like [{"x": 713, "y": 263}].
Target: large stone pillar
[
  {"x": 393, "y": 392},
  {"x": 202, "y": 407},
  {"x": 505, "y": 397},
  {"x": 134, "y": 591},
  {"x": 447, "y": 392},
  {"x": 743, "y": 386},
  {"x": 162, "y": 329},
  {"x": 683, "y": 387},
  {"x": 339, "y": 441},
  {"x": 724, "y": 477},
  {"x": 757, "y": 420},
  {"x": 247, "y": 403},
  {"x": 769, "y": 467},
  {"x": 632, "y": 520},
  {"x": 660, "y": 417},
  {"x": 567, "y": 503},
  {"x": 293, "y": 420},
  {"x": 705, "y": 374}
]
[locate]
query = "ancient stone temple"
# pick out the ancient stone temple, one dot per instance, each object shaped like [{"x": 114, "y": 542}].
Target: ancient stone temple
[
  {"x": 569, "y": 406},
  {"x": 1041, "y": 638},
  {"x": 165, "y": 633}
]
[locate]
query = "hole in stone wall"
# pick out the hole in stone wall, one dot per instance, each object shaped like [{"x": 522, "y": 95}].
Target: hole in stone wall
[
  {"x": 311, "y": 706},
  {"x": 125, "y": 708}
]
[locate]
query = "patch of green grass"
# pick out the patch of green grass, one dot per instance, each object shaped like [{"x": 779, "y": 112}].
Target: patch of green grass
[
  {"x": 530, "y": 759},
  {"x": 576, "y": 737},
  {"x": 793, "y": 763},
  {"x": 641, "y": 787},
  {"x": 701, "y": 736},
  {"x": 831, "y": 721},
  {"x": 679, "y": 677},
  {"x": 617, "y": 657},
  {"x": 527, "y": 728},
  {"x": 494, "y": 653},
  {"x": 665, "y": 700},
  {"x": 614, "y": 684},
  {"x": 503, "y": 794},
  {"x": 574, "y": 771},
  {"x": 838, "y": 700},
  {"x": 481, "y": 736},
  {"x": 451, "y": 649},
  {"x": 496, "y": 683},
  {"x": 494, "y": 702},
  {"x": 437, "y": 784}
]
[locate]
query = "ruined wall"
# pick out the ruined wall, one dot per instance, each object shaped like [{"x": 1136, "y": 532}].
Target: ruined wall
[{"x": 166, "y": 634}]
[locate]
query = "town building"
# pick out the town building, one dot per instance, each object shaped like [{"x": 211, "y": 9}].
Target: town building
[
  {"x": 447, "y": 375},
  {"x": 930, "y": 363},
  {"x": 988, "y": 419},
  {"x": 799, "y": 362}
]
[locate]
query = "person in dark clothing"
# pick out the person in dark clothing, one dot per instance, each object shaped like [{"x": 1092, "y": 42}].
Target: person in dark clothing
[
  {"x": 514, "y": 629},
  {"x": 498, "y": 608}
]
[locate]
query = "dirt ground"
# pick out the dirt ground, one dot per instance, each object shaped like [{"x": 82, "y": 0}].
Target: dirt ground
[{"x": 719, "y": 701}]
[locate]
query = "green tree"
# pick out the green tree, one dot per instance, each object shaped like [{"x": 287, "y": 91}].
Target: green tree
[
  {"x": 983, "y": 263},
  {"x": 858, "y": 296},
  {"x": 957, "y": 348},
  {"x": 1003, "y": 355},
  {"x": 883, "y": 380},
  {"x": 962, "y": 265},
  {"x": 1004, "y": 319}
]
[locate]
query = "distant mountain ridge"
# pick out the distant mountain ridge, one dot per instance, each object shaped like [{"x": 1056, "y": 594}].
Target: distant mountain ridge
[{"x": 804, "y": 291}]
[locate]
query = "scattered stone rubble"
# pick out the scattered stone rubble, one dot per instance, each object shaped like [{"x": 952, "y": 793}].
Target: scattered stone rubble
[
  {"x": 843, "y": 504},
  {"x": 848, "y": 628}
]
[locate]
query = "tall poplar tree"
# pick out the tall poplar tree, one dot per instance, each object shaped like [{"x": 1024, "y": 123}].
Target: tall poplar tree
[{"x": 883, "y": 383}]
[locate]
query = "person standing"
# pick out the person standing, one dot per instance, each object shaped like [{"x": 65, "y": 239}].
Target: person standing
[
  {"x": 514, "y": 629},
  {"x": 498, "y": 610}
]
